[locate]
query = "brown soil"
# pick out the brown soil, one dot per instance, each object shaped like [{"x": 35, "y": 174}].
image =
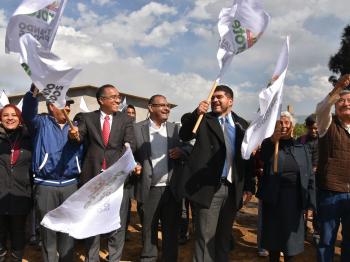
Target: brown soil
[{"x": 244, "y": 231}]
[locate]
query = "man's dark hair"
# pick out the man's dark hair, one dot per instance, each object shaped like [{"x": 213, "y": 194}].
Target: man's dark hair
[
  {"x": 228, "y": 91},
  {"x": 131, "y": 106},
  {"x": 100, "y": 92},
  {"x": 152, "y": 98},
  {"x": 310, "y": 120}
]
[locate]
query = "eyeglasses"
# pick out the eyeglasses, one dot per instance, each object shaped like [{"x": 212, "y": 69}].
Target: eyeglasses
[
  {"x": 114, "y": 97},
  {"x": 161, "y": 105},
  {"x": 342, "y": 100}
]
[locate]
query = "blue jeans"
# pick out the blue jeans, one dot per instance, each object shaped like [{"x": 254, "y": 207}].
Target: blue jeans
[{"x": 333, "y": 209}]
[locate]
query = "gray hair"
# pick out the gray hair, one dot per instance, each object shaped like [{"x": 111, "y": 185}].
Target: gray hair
[{"x": 290, "y": 116}]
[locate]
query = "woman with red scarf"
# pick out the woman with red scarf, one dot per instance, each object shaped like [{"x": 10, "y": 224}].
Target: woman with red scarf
[{"x": 15, "y": 184}]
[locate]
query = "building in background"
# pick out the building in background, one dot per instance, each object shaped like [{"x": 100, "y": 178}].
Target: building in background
[{"x": 88, "y": 93}]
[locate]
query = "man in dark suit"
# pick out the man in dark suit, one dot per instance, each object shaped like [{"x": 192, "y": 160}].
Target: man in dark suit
[
  {"x": 216, "y": 177},
  {"x": 159, "y": 153},
  {"x": 105, "y": 132}
]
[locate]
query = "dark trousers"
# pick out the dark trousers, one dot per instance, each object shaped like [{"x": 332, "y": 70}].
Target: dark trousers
[
  {"x": 14, "y": 227},
  {"x": 214, "y": 227},
  {"x": 48, "y": 198},
  {"x": 160, "y": 205},
  {"x": 115, "y": 238},
  {"x": 333, "y": 209}
]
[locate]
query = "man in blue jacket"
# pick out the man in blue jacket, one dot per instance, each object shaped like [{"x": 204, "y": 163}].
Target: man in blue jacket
[{"x": 56, "y": 167}]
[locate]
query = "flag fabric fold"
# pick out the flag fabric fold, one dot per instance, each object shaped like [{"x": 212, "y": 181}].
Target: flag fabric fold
[
  {"x": 83, "y": 105},
  {"x": 123, "y": 105},
  {"x": 270, "y": 100},
  {"x": 4, "y": 100},
  {"x": 94, "y": 208},
  {"x": 240, "y": 27},
  {"x": 40, "y": 18},
  {"x": 51, "y": 75}
]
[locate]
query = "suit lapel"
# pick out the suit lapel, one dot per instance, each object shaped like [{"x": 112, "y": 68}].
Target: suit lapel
[
  {"x": 97, "y": 123},
  {"x": 145, "y": 135},
  {"x": 170, "y": 132},
  {"x": 114, "y": 128},
  {"x": 215, "y": 126}
]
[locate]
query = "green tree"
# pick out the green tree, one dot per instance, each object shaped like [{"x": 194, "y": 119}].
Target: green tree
[
  {"x": 340, "y": 62},
  {"x": 299, "y": 130}
]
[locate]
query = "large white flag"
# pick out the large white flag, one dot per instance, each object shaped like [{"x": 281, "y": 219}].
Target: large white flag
[
  {"x": 83, "y": 105},
  {"x": 94, "y": 208},
  {"x": 240, "y": 27},
  {"x": 270, "y": 100},
  {"x": 40, "y": 18},
  {"x": 51, "y": 75},
  {"x": 4, "y": 100}
]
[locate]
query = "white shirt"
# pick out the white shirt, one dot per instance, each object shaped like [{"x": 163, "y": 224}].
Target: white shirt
[
  {"x": 102, "y": 119},
  {"x": 159, "y": 154}
]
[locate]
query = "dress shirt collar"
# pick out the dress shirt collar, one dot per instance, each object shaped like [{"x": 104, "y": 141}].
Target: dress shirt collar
[{"x": 154, "y": 126}]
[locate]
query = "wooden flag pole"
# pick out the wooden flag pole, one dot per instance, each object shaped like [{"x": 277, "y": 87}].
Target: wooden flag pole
[
  {"x": 199, "y": 120},
  {"x": 275, "y": 159},
  {"x": 69, "y": 122}
]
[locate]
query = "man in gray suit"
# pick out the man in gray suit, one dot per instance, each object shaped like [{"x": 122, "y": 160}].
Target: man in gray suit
[{"x": 159, "y": 153}]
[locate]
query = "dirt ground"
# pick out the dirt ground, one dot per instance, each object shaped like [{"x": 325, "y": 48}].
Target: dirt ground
[{"x": 244, "y": 231}]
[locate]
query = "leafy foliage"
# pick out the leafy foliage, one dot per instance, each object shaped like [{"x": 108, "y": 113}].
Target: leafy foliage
[
  {"x": 340, "y": 62},
  {"x": 299, "y": 130}
]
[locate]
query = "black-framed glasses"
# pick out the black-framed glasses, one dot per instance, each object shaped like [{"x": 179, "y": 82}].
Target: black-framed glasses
[
  {"x": 161, "y": 105},
  {"x": 113, "y": 97}
]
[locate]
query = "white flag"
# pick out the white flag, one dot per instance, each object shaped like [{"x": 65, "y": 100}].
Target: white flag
[
  {"x": 240, "y": 27},
  {"x": 20, "y": 105},
  {"x": 94, "y": 208},
  {"x": 83, "y": 105},
  {"x": 270, "y": 100},
  {"x": 40, "y": 18},
  {"x": 51, "y": 75},
  {"x": 4, "y": 100},
  {"x": 123, "y": 105}
]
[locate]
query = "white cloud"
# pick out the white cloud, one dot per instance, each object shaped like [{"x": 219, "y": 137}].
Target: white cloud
[
  {"x": 162, "y": 34},
  {"x": 101, "y": 2}
]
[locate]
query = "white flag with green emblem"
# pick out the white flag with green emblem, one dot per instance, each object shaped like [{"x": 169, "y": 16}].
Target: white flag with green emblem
[
  {"x": 240, "y": 27},
  {"x": 40, "y": 18}
]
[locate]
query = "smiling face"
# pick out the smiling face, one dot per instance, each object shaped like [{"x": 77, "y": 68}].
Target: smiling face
[
  {"x": 286, "y": 127},
  {"x": 159, "y": 109},
  {"x": 221, "y": 103},
  {"x": 110, "y": 100},
  {"x": 342, "y": 108},
  {"x": 9, "y": 118}
]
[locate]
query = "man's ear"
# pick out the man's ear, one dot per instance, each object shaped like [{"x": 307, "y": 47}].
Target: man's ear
[{"x": 150, "y": 109}]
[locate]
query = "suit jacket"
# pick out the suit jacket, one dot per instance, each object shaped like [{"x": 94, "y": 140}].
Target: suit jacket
[
  {"x": 204, "y": 167},
  {"x": 91, "y": 135},
  {"x": 143, "y": 156}
]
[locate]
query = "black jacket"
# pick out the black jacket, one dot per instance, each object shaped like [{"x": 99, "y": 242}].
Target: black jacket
[
  {"x": 204, "y": 167},
  {"x": 15, "y": 182},
  {"x": 269, "y": 187}
]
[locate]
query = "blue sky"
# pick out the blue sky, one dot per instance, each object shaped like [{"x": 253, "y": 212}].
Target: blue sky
[{"x": 169, "y": 47}]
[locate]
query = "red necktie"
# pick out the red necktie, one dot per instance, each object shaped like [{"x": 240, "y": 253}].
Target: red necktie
[{"x": 106, "y": 129}]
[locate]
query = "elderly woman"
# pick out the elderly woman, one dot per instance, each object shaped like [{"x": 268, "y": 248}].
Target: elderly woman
[
  {"x": 15, "y": 186},
  {"x": 285, "y": 194}
]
